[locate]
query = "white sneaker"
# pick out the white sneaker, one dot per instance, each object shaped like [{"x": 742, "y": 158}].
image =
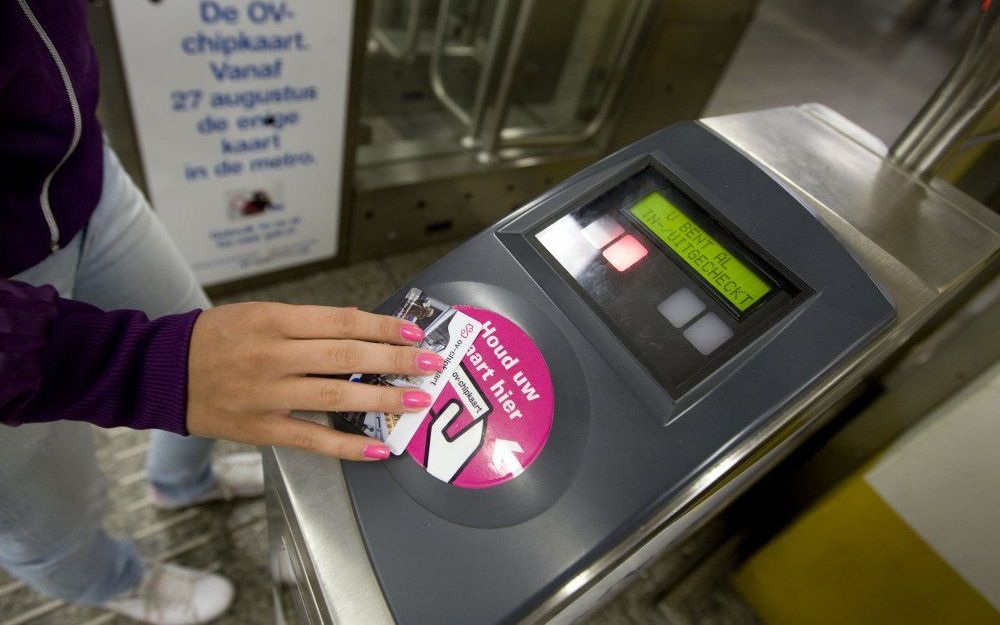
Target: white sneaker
[
  {"x": 237, "y": 476},
  {"x": 170, "y": 594}
]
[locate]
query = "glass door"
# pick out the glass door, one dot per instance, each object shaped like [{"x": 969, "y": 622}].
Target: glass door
[
  {"x": 566, "y": 65},
  {"x": 476, "y": 77}
]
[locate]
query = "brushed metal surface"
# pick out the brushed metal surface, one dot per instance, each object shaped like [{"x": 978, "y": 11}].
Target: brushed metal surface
[
  {"x": 333, "y": 574},
  {"x": 937, "y": 239}
]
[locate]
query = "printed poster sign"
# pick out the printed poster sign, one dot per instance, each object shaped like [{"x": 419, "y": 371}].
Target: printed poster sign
[
  {"x": 239, "y": 108},
  {"x": 493, "y": 419}
]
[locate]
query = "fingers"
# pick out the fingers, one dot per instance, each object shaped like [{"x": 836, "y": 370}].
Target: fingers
[
  {"x": 332, "y": 356},
  {"x": 341, "y": 396},
  {"x": 287, "y": 431},
  {"x": 323, "y": 322}
]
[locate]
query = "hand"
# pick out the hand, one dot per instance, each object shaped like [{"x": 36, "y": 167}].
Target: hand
[{"x": 249, "y": 363}]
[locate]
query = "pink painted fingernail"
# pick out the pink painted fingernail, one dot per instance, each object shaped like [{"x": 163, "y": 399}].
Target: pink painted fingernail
[
  {"x": 376, "y": 452},
  {"x": 416, "y": 399},
  {"x": 429, "y": 361},
  {"x": 411, "y": 332}
]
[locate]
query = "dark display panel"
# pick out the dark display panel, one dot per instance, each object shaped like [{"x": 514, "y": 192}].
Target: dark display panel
[
  {"x": 716, "y": 264},
  {"x": 679, "y": 289}
]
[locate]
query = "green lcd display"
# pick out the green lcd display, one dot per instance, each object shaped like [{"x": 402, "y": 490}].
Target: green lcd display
[{"x": 733, "y": 280}]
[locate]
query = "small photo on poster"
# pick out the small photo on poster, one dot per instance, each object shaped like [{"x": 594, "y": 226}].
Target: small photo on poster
[{"x": 243, "y": 203}]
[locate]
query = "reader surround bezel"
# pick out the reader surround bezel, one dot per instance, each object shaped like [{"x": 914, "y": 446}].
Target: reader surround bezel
[{"x": 520, "y": 237}]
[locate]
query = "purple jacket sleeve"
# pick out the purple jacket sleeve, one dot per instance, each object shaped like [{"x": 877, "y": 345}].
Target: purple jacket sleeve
[{"x": 63, "y": 359}]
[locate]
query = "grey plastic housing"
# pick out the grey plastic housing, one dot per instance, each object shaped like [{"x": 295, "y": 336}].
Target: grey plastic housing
[{"x": 620, "y": 446}]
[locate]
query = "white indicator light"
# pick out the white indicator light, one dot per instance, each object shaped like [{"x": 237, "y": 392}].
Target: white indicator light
[{"x": 602, "y": 231}]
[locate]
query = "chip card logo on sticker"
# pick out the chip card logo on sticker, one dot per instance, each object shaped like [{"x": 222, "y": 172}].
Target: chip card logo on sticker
[
  {"x": 450, "y": 447},
  {"x": 494, "y": 416}
]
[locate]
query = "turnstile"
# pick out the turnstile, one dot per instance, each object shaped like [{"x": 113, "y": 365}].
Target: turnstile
[{"x": 676, "y": 384}]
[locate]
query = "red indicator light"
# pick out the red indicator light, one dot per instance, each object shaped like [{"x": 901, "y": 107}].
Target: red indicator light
[{"x": 625, "y": 252}]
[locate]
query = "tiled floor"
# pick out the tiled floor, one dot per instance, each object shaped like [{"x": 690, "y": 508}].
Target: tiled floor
[
  {"x": 225, "y": 537},
  {"x": 848, "y": 55}
]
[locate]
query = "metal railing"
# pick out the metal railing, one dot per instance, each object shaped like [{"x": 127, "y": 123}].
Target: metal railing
[
  {"x": 494, "y": 125},
  {"x": 967, "y": 94},
  {"x": 383, "y": 39},
  {"x": 623, "y": 50},
  {"x": 473, "y": 118},
  {"x": 484, "y": 120},
  {"x": 624, "y": 47}
]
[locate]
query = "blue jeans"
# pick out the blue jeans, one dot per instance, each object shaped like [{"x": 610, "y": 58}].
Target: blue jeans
[{"x": 52, "y": 495}]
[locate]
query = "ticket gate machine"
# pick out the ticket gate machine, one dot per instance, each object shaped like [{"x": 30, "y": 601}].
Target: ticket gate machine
[{"x": 702, "y": 300}]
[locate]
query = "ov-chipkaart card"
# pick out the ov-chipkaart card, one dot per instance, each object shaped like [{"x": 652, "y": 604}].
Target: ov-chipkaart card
[{"x": 449, "y": 333}]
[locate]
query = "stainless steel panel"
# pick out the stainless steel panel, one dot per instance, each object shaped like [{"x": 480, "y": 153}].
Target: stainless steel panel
[
  {"x": 337, "y": 583},
  {"x": 290, "y": 584},
  {"x": 937, "y": 240}
]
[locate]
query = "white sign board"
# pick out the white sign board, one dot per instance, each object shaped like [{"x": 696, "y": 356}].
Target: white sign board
[{"x": 239, "y": 108}]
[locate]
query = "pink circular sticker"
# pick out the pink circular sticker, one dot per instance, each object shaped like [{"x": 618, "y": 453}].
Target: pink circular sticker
[{"x": 492, "y": 420}]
